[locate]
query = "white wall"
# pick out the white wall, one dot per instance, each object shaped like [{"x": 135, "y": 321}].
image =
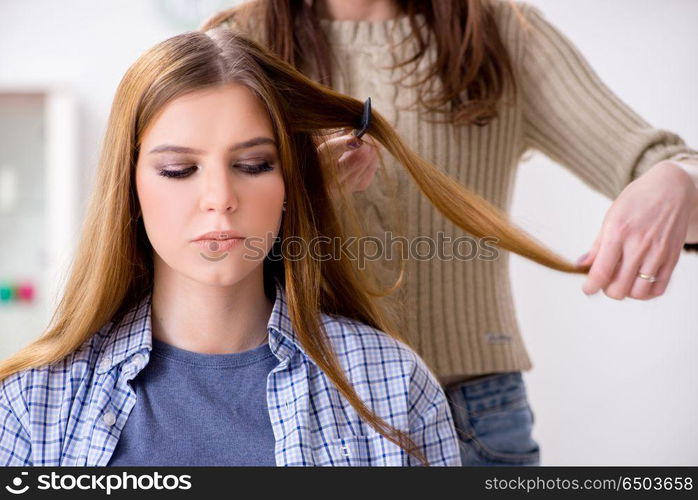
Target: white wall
[{"x": 614, "y": 382}]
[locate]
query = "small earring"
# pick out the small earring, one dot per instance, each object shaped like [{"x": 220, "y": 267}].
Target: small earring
[{"x": 283, "y": 209}]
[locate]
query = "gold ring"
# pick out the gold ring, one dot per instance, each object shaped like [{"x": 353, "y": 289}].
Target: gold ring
[{"x": 647, "y": 277}]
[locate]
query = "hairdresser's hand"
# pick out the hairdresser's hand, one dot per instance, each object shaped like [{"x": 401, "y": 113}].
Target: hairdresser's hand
[
  {"x": 357, "y": 160},
  {"x": 643, "y": 231}
]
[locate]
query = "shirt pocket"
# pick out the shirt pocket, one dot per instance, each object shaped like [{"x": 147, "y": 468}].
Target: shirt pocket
[{"x": 355, "y": 451}]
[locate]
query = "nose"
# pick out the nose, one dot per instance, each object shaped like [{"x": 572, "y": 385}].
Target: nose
[{"x": 218, "y": 190}]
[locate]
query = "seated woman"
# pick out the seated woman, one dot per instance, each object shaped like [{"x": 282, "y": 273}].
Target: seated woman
[{"x": 188, "y": 332}]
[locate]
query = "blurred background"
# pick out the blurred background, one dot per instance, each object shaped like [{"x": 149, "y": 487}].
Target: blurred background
[{"x": 614, "y": 382}]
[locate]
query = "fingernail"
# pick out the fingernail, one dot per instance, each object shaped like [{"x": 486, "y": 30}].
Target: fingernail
[
  {"x": 582, "y": 258},
  {"x": 354, "y": 143}
]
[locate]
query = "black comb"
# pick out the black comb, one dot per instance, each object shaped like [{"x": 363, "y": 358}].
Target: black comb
[{"x": 365, "y": 120}]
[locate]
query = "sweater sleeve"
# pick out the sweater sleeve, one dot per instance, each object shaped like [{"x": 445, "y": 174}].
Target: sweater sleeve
[{"x": 571, "y": 116}]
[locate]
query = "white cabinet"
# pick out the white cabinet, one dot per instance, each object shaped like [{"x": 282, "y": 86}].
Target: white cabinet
[{"x": 38, "y": 207}]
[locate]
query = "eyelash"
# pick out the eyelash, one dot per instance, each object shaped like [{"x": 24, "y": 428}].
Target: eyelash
[{"x": 252, "y": 169}]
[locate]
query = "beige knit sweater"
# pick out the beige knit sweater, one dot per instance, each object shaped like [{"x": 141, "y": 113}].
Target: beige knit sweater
[{"x": 459, "y": 315}]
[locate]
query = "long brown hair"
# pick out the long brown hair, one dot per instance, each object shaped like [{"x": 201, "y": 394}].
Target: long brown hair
[
  {"x": 113, "y": 266},
  {"x": 471, "y": 60}
]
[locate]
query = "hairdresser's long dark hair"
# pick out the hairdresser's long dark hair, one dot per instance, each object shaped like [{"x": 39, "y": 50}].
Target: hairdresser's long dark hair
[{"x": 470, "y": 56}]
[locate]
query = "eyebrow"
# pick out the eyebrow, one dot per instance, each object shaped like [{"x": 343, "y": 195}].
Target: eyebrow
[{"x": 164, "y": 148}]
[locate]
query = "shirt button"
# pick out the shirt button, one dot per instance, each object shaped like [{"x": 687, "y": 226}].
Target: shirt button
[
  {"x": 345, "y": 451},
  {"x": 104, "y": 366},
  {"x": 137, "y": 359},
  {"x": 109, "y": 418}
]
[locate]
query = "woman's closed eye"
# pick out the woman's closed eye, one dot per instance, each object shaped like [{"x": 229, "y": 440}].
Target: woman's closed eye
[{"x": 248, "y": 168}]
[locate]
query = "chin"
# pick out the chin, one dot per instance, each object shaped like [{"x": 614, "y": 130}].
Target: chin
[{"x": 222, "y": 273}]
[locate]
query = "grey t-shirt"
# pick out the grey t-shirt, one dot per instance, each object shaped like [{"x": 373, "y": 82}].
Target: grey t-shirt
[{"x": 199, "y": 409}]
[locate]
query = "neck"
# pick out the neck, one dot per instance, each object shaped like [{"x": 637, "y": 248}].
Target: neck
[
  {"x": 209, "y": 319},
  {"x": 357, "y": 10}
]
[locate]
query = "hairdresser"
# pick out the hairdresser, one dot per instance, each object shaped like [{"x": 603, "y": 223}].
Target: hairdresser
[{"x": 473, "y": 86}]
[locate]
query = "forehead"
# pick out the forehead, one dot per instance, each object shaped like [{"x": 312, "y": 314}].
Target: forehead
[{"x": 206, "y": 117}]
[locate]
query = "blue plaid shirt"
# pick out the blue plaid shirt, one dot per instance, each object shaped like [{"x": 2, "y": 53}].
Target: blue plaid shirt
[{"x": 71, "y": 412}]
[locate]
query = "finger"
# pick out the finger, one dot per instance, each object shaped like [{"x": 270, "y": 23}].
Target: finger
[
  {"x": 589, "y": 257},
  {"x": 328, "y": 134},
  {"x": 664, "y": 275},
  {"x": 360, "y": 165},
  {"x": 622, "y": 282},
  {"x": 367, "y": 176},
  {"x": 339, "y": 131},
  {"x": 352, "y": 163},
  {"x": 369, "y": 140},
  {"x": 651, "y": 265},
  {"x": 335, "y": 147},
  {"x": 333, "y": 132},
  {"x": 604, "y": 266},
  {"x": 351, "y": 166}
]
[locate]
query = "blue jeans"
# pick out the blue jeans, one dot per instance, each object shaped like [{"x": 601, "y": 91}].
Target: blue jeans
[{"x": 493, "y": 421}]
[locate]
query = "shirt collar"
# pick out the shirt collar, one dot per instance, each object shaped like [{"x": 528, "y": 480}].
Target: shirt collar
[{"x": 133, "y": 333}]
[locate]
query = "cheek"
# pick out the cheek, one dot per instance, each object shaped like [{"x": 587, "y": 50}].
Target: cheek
[
  {"x": 265, "y": 201},
  {"x": 262, "y": 214},
  {"x": 163, "y": 207}
]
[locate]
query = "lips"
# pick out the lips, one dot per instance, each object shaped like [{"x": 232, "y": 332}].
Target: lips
[
  {"x": 216, "y": 246},
  {"x": 219, "y": 235}
]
